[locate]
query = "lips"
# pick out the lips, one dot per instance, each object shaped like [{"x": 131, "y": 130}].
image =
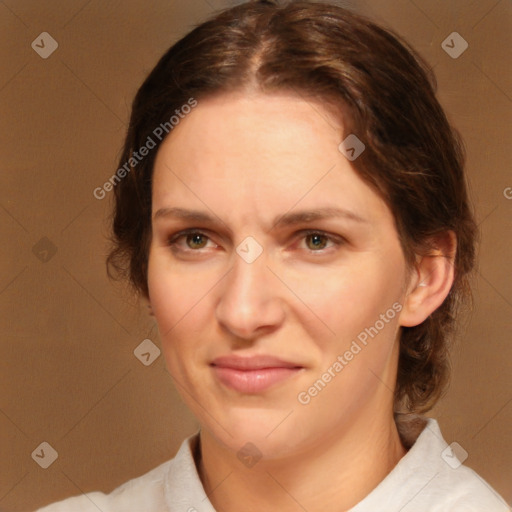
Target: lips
[
  {"x": 252, "y": 363},
  {"x": 253, "y": 374}
]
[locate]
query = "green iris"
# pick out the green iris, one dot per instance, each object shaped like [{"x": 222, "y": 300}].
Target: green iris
[
  {"x": 196, "y": 241},
  {"x": 317, "y": 241}
]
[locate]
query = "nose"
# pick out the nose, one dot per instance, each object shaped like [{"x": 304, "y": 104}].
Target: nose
[{"x": 250, "y": 303}]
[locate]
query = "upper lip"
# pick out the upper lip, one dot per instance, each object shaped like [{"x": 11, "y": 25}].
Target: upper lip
[{"x": 252, "y": 363}]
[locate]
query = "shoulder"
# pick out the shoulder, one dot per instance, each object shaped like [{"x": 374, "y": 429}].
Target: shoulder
[
  {"x": 146, "y": 492},
  {"x": 447, "y": 484},
  {"x": 431, "y": 478},
  {"x": 462, "y": 489},
  {"x": 455, "y": 486}
]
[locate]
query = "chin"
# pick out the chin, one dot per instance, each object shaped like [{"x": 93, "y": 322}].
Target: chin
[{"x": 263, "y": 429}]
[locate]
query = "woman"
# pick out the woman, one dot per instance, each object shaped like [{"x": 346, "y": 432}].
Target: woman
[{"x": 291, "y": 203}]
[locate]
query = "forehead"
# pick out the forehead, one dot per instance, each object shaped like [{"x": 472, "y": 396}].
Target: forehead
[
  {"x": 251, "y": 152},
  {"x": 252, "y": 129}
]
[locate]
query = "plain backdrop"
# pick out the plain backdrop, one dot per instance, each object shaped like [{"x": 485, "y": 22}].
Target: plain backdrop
[{"x": 68, "y": 373}]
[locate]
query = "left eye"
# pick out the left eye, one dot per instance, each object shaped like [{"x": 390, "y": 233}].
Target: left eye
[{"x": 315, "y": 241}]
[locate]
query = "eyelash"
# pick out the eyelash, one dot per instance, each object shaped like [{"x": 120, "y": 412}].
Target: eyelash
[{"x": 173, "y": 240}]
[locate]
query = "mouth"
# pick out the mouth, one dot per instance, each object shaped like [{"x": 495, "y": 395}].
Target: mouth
[{"x": 253, "y": 374}]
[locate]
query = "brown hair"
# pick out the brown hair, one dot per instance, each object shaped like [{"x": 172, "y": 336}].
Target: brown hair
[{"x": 387, "y": 96}]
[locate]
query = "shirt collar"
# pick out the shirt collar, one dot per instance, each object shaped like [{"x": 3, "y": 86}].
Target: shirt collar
[{"x": 185, "y": 493}]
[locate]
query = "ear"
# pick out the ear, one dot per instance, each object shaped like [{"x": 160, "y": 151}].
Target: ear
[
  {"x": 431, "y": 281},
  {"x": 150, "y": 309}
]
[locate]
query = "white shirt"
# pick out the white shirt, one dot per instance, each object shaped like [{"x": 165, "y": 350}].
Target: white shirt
[{"x": 429, "y": 478}]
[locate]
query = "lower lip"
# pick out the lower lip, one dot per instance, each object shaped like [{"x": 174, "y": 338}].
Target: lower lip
[{"x": 253, "y": 381}]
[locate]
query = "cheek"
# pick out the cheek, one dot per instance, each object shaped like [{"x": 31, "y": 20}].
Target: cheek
[
  {"x": 348, "y": 299},
  {"x": 181, "y": 300},
  {"x": 176, "y": 296},
  {"x": 175, "y": 319}
]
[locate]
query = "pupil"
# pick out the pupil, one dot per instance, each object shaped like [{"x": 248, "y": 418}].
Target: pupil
[
  {"x": 197, "y": 240},
  {"x": 317, "y": 240}
]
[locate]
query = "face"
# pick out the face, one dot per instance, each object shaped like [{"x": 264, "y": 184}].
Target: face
[{"x": 276, "y": 275}]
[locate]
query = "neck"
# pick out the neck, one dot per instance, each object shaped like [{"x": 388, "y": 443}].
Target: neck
[{"x": 335, "y": 474}]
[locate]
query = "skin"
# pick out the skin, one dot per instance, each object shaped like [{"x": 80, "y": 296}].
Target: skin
[{"x": 246, "y": 160}]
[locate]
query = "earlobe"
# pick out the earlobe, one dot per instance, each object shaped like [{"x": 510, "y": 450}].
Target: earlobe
[
  {"x": 150, "y": 310},
  {"x": 431, "y": 282}
]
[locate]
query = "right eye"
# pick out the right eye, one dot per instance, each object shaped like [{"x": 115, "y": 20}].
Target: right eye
[{"x": 190, "y": 240}]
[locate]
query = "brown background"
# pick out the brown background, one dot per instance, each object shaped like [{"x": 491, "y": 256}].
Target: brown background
[{"x": 68, "y": 375}]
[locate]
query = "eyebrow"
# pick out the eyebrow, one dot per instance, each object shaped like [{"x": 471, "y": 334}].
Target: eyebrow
[
  {"x": 306, "y": 216},
  {"x": 285, "y": 220}
]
